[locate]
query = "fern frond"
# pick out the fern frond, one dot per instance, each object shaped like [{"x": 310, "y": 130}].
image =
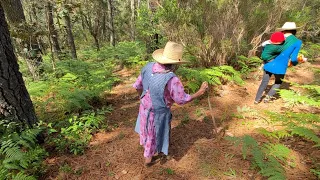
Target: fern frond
[
  {"x": 278, "y": 151},
  {"x": 22, "y": 176},
  {"x": 306, "y": 133},
  {"x": 266, "y": 133},
  {"x": 249, "y": 143}
]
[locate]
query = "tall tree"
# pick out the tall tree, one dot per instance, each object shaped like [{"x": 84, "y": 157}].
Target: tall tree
[
  {"x": 14, "y": 11},
  {"x": 110, "y": 22},
  {"x": 93, "y": 17},
  {"x": 21, "y": 30},
  {"x": 132, "y": 22},
  {"x": 15, "y": 102},
  {"x": 52, "y": 30},
  {"x": 67, "y": 19}
]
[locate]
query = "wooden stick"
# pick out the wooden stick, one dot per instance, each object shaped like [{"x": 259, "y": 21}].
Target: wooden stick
[{"x": 211, "y": 112}]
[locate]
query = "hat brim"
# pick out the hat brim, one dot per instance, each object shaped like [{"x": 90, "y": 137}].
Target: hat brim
[
  {"x": 286, "y": 29},
  {"x": 158, "y": 56}
]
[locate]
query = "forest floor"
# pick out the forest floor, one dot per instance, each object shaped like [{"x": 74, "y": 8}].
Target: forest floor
[{"x": 195, "y": 152}]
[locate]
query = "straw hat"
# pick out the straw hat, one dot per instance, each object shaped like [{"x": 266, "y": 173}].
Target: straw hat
[
  {"x": 288, "y": 26},
  {"x": 171, "y": 54}
]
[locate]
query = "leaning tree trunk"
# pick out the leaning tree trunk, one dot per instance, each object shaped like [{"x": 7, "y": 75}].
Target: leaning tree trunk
[
  {"x": 52, "y": 30},
  {"x": 15, "y": 102},
  {"x": 70, "y": 35},
  {"x": 14, "y": 11},
  {"x": 16, "y": 18},
  {"x": 110, "y": 24}
]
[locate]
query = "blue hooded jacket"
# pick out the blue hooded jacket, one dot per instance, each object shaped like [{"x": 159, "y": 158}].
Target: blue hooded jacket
[{"x": 280, "y": 64}]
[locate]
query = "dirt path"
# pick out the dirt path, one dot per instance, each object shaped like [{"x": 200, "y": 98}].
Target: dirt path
[{"x": 195, "y": 153}]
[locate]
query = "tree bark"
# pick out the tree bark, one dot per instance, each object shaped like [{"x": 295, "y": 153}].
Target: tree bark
[
  {"x": 133, "y": 11},
  {"x": 15, "y": 102},
  {"x": 52, "y": 30},
  {"x": 70, "y": 35},
  {"x": 14, "y": 11},
  {"x": 29, "y": 45},
  {"x": 110, "y": 24}
]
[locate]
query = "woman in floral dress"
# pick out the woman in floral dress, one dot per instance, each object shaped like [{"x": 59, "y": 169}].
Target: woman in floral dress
[{"x": 160, "y": 88}]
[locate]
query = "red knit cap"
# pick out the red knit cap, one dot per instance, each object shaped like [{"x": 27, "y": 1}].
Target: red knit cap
[{"x": 277, "y": 38}]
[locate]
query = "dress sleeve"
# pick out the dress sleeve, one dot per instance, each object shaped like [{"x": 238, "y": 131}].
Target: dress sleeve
[
  {"x": 138, "y": 83},
  {"x": 177, "y": 93}
]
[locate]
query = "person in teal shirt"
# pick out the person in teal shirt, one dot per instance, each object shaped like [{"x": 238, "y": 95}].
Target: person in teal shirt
[
  {"x": 278, "y": 66},
  {"x": 273, "y": 47}
]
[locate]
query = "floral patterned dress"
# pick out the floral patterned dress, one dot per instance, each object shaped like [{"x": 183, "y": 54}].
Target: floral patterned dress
[{"x": 174, "y": 92}]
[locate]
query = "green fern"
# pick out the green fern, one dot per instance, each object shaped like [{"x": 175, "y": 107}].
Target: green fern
[
  {"x": 306, "y": 133},
  {"x": 278, "y": 134},
  {"x": 20, "y": 153},
  {"x": 22, "y": 176},
  {"x": 267, "y": 157},
  {"x": 213, "y": 75},
  {"x": 311, "y": 98},
  {"x": 315, "y": 172}
]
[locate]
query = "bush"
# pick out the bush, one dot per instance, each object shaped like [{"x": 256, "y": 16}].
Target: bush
[
  {"x": 71, "y": 88},
  {"x": 20, "y": 155}
]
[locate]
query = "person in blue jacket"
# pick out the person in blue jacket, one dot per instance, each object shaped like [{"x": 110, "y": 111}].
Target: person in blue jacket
[{"x": 278, "y": 66}]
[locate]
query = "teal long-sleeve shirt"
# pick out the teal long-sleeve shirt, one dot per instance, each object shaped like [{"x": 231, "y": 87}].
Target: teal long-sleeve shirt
[{"x": 270, "y": 51}]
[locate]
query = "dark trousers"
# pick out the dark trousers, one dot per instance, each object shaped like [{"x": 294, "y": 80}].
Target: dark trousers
[{"x": 264, "y": 84}]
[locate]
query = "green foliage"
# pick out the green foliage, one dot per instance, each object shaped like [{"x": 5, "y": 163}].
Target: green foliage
[
  {"x": 315, "y": 172},
  {"x": 213, "y": 75},
  {"x": 268, "y": 158},
  {"x": 311, "y": 50},
  {"x": 20, "y": 155},
  {"x": 72, "y": 87},
  {"x": 126, "y": 53},
  {"x": 312, "y": 98},
  {"x": 246, "y": 65},
  {"x": 75, "y": 135}
]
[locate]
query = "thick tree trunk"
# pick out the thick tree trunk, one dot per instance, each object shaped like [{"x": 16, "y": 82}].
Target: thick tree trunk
[
  {"x": 29, "y": 43},
  {"x": 14, "y": 11},
  {"x": 70, "y": 35},
  {"x": 133, "y": 11},
  {"x": 15, "y": 102},
  {"x": 110, "y": 24},
  {"x": 52, "y": 31}
]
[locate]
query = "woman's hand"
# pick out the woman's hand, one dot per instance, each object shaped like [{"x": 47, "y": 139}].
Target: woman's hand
[
  {"x": 201, "y": 91},
  {"x": 203, "y": 88}
]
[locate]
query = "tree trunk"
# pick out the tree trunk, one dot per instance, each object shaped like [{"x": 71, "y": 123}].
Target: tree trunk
[
  {"x": 14, "y": 11},
  {"x": 103, "y": 27},
  {"x": 110, "y": 24},
  {"x": 70, "y": 35},
  {"x": 138, "y": 4},
  {"x": 29, "y": 43},
  {"x": 15, "y": 102},
  {"x": 133, "y": 11},
  {"x": 52, "y": 31},
  {"x": 96, "y": 42}
]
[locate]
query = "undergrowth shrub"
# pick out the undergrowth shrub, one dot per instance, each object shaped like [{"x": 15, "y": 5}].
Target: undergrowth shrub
[
  {"x": 311, "y": 50},
  {"x": 267, "y": 157},
  {"x": 21, "y": 157},
  {"x": 125, "y": 53},
  {"x": 74, "y": 134},
  {"x": 311, "y": 97},
  {"x": 72, "y": 87},
  {"x": 290, "y": 124},
  {"x": 246, "y": 65},
  {"x": 214, "y": 76}
]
